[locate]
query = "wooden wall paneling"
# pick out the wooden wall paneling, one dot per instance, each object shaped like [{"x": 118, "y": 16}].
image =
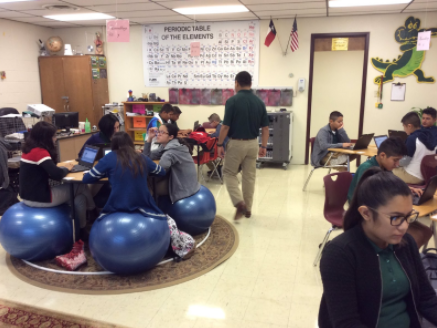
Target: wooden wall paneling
[
  {"x": 325, "y": 44},
  {"x": 78, "y": 81},
  {"x": 52, "y": 82}
]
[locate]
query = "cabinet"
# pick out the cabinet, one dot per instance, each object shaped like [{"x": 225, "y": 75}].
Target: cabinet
[
  {"x": 67, "y": 85},
  {"x": 134, "y": 132},
  {"x": 279, "y": 146}
]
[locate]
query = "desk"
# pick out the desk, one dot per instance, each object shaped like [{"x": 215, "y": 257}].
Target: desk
[
  {"x": 369, "y": 152},
  {"x": 69, "y": 146},
  {"x": 428, "y": 208},
  {"x": 210, "y": 131}
]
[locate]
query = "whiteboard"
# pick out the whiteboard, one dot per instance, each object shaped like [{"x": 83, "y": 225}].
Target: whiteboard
[{"x": 226, "y": 49}]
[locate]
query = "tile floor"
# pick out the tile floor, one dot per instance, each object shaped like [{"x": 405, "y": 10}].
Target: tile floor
[{"x": 270, "y": 281}]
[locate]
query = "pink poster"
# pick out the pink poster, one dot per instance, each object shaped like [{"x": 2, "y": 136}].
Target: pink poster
[
  {"x": 227, "y": 93},
  {"x": 117, "y": 30}
]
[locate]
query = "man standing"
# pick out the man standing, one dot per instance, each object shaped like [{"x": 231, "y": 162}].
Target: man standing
[{"x": 245, "y": 114}]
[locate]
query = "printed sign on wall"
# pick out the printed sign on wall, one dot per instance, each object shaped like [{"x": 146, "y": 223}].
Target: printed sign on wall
[{"x": 226, "y": 48}]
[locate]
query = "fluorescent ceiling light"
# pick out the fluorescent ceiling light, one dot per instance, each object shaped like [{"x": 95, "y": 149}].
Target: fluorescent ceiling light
[
  {"x": 362, "y": 3},
  {"x": 211, "y": 10},
  {"x": 3, "y": 1},
  {"x": 79, "y": 17}
]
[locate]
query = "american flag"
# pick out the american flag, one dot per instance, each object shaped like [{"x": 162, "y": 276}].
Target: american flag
[{"x": 294, "y": 45}]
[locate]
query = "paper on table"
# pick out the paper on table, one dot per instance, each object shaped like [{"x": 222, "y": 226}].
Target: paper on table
[
  {"x": 68, "y": 178},
  {"x": 398, "y": 91}
]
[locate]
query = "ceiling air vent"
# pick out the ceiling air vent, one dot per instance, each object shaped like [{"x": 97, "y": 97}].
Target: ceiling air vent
[{"x": 60, "y": 7}]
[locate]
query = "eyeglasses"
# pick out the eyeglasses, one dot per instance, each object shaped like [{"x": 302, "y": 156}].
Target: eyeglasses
[
  {"x": 397, "y": 220},
  {"x": 161, "y": 132}
]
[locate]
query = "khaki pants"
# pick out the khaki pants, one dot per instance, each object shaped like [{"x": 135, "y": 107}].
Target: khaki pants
[
  {"x": 244, "y": 153},
  {"x": 406, "y": 177}
]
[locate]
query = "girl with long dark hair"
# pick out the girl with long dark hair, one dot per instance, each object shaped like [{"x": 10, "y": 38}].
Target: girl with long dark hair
[
  {"x": 108, "y": 126},
  {"x": 38, "y": 166},
  {"x": 127, "y": 171},
  {"x": 372, "y": 274},
  {"x": 174, "y": 154}
]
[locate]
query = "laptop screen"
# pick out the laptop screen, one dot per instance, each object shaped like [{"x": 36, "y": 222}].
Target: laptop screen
[
  {"x": 379, "y": 140},
  {"x": 89, "y": 154},
  {"x": 107, "y": 151}
]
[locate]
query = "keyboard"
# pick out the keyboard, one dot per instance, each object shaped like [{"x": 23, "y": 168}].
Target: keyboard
[{"x": 79, "y": 168}]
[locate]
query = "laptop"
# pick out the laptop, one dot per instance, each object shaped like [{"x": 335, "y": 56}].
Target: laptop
[
  {"x": 196, "y": 125},
  {"x": 87, "y": 160},
  {"x": 363, "y": 142},
  {"x": 106, "y": 151},
  {"x": 379, "y": 140},
  {"x": 101, "y": 147},
  {"x": 428, "y": 193},
  {"x": 401, "y": 134}
]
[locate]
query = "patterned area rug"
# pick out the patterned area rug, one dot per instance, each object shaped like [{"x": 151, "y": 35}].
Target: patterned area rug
[
  {"x": 220, "y": 245},
  {"x": 18, "y": 315}
]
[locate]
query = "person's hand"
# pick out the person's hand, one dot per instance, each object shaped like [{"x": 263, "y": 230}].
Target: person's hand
[
  {"x": 69, "y": 166},
  {"x": 417, "y": 191},
  {"x": 262, "y": 152},
  {"x": 139, "y": 151},
  {"x": 341, "y": 126},
  {"x": 220, "y": 152},
  {"x": 347, "y": 145},
  {"x": 151, "y": 134}
]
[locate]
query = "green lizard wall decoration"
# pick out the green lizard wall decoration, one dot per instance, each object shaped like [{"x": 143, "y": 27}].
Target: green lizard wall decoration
[{"x": 411, "y": 60}]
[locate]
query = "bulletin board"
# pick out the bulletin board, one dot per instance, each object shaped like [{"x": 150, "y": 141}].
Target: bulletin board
[{"x": 226, "y": 48}]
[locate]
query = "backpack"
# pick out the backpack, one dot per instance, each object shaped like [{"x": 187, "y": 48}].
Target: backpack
[
  {"x": 429, "y": 261},
  {"x": 200, "y": 137}
]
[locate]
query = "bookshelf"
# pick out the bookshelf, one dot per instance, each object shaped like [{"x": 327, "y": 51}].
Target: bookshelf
[{"x": 129, "y": 120}]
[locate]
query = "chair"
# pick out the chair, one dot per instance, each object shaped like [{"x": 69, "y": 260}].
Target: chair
[
  {"x": 428, "y": 168},
  {"x": 326, "y": 166},
  {"x": 205, "y": 156},
  {"x": 215, "y": 164},
  {"x": 8, "y": 110},
  {"x": 335, "y": 198}
]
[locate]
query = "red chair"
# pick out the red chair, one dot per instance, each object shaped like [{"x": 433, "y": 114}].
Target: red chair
[
  {"x": 326, "y": 166},
  {"x": 206, "y": 156},
  {"x": 428, "y": 168},
  {"x": 335, "y": 198}
]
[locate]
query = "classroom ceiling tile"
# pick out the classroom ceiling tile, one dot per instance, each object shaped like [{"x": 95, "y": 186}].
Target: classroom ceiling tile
[
  {"x": 290, "y": 13},
  {"x": 287, "y": 6},
  {"x": 32, "y": 19},
  {"x": 144, "y": 13},
  {"x": 369, "y": 9},
  {"x": 279, "y": 16},
  {"x": 252, "y": 2},
  {"x": 12, "y": 14},
  {"x": 29, "y": 5},
  {"x": 55, "y": 24},
  {"x": 97, "y": 2},
  {"x": 363, "y": 13},
  {"x": 223, "y": 17},
  {"x": 168, "y": 19},
  {"x": 46, "y": 12},
  {"x": 126, "y": 7},
  {"x": 423, "y": 5},
  {"x": 198, "y": 3}
]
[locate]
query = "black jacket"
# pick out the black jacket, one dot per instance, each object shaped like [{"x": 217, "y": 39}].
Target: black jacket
[{"x": 352, "y": 286}]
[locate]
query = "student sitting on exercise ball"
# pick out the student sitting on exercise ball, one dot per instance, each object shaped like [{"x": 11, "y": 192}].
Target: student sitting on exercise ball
[
  {"x": 38, "y": 167},
  {"x": 108, "y": 126},
  {"x": 372, "y": 274},
  {"x": 174, "y": 154},
  {"x": 127, "y": 171},
  {"x": 390, "y": 152}
]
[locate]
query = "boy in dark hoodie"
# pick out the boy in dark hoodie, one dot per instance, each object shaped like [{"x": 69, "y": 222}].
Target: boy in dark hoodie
[
  {"x": 429, "y": 118},
  {"x": 420, "y": 142}
]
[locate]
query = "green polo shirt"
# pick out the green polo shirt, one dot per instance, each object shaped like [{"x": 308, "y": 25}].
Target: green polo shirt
[
  {"x": 361, "y": 169},
  {"x": 245, "y": 114},
  {"x": 395, "y": 288}
]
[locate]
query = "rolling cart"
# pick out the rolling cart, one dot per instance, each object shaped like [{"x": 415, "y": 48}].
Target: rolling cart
[{"x": 279, "y": 146}]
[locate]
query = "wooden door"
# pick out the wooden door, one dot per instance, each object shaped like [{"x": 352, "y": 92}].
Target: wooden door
[
  {"x": 78, "y": 85},
  {"x": 52, "y": 82},
  {"x": 101, "y": 97}
]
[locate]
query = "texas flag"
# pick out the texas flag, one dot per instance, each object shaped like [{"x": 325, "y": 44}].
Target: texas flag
[{"x": 271, "y": 34}]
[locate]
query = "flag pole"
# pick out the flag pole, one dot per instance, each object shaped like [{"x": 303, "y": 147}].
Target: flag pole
[
  {"x": 277, "y": 34},
  {"x": 289, "y": 38}
]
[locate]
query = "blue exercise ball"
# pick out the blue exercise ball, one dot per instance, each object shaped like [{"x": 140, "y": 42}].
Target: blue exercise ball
[
  {"x": 194, "y": 214},
  {"x": 129, "y": 243},
  {"x": 36, "y": 233}
]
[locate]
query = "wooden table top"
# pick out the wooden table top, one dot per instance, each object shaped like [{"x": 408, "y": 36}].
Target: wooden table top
[
  {"x": 78, "y": 176},
  {"x": 369, "y": 151},
  {"x": 209, "y": 131},
  {"x": 427, "y": 208}
]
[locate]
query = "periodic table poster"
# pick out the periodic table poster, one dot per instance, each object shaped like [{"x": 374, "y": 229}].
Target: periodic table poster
[{"x": 226, "y": 48}]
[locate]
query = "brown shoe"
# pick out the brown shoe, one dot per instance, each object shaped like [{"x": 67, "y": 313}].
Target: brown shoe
[
  {"x": 248, "y": 214},
  {"x": 241, "y": 210}
]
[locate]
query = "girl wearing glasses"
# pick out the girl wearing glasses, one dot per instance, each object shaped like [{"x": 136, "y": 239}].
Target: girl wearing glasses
[
  {"x": 174, "y": 154},
  {"x": 372, "y": 274}
]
